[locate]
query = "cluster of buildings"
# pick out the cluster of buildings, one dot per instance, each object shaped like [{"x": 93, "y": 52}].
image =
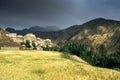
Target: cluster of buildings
[{"x": 32, "y": 38}]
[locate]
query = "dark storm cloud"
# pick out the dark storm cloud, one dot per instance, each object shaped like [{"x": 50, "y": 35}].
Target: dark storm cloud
[
  {"x": 62, "y": 13},
  {"x": 111, "y": 3}
]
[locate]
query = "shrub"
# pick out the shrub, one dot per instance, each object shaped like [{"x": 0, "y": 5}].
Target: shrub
[
  {"x": 27, "y": 44},
  {"x": 34, "y": 45}
]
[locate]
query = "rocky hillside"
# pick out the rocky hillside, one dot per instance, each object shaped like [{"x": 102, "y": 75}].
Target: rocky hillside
[
  {"x": 93, "y": 33},
  {"x": 6, "y": 41},
  {"x": 60, "y": 36},
  {"x": 100, "y": 31}
]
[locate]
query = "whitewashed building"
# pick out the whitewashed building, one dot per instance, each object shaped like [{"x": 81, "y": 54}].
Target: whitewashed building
[{"x": 11, "y": 35}]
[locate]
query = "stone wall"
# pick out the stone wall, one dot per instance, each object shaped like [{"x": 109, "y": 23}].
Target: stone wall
[{"x": 9, "y": 48}]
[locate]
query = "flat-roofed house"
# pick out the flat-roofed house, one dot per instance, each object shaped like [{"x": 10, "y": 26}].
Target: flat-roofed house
[{"x": 11, "y": 35}]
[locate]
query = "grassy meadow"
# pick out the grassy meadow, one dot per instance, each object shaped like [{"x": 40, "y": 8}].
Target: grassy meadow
[{"x": 44, "y": 65}]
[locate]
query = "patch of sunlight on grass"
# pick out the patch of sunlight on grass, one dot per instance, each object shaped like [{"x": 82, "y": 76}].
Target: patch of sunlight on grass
[{"x": 44, "y": 65}]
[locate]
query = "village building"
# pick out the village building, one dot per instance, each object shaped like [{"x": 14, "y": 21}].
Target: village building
[
  {"x": 32, "y": 38},
  {"x": 11, "y": 35},
  {"x": 19, "y": 36},
  {"x": 30, "y": 35}
]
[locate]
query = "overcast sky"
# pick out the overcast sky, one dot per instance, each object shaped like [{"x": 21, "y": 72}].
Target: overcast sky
[{"x": 62, "y": 13}]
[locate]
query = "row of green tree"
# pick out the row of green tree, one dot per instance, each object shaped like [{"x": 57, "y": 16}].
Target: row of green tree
[{"x": 101, "y": 58}]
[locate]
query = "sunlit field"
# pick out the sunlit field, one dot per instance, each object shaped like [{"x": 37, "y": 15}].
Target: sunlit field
[{"x": 44, "y": 65}]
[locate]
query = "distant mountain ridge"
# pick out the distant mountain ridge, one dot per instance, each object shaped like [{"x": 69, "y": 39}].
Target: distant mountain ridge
[
  {"x": 100, "y": 31},
  {"x": 92, "y": 33},
  {"x": 32, "y": 29}
]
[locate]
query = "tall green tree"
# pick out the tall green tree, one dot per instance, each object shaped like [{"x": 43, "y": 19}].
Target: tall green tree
[
  {"x": 102, "y": 49},
  {"x": 34, "y": 45},
  {"x": 27, "y": 44}
]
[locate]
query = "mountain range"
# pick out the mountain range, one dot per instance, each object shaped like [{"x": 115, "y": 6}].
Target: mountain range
[
  {"x": 92, "y": 33},
  {"x": 32, "y": 29}
]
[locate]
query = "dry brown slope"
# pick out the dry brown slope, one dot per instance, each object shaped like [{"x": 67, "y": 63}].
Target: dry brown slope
[
  {"x": 6, "y": 41},
  {"x": 100, "y": 31}
]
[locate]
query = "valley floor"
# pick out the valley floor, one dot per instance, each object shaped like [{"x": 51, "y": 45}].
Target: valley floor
[{"x": 44, "y": 65}]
